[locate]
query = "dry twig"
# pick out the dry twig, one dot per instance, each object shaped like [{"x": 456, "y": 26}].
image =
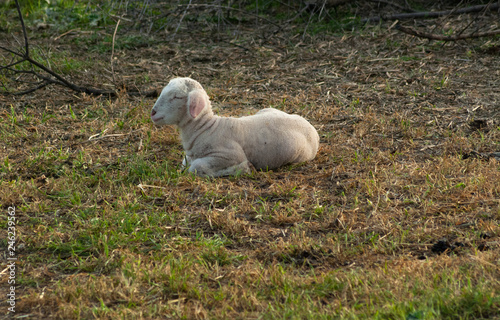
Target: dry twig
[{"x": 113, "y": 51}]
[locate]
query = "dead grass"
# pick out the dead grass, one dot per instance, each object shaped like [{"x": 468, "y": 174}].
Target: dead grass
[{"x": 389, "y": 220}]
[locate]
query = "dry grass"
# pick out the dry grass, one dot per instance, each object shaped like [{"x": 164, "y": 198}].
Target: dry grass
[{"x": 389, "y": 220}]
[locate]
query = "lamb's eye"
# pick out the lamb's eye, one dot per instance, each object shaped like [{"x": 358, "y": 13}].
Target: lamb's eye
[{"x": 176, "y": 98}]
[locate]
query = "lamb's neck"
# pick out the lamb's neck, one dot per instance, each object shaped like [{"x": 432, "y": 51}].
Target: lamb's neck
[{"x": 192, "y": 128}]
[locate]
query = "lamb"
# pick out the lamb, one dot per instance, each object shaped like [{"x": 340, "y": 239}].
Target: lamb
[{"x": 222, "y": 146}]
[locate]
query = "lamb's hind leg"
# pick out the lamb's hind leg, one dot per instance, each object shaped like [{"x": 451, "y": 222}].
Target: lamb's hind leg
[{"x": 211, "y": 167}]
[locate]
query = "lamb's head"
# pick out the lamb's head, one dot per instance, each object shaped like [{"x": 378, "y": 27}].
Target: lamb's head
[{"x": 181, "y": 99}]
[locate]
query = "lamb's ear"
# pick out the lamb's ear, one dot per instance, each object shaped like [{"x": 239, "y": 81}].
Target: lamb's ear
[{"x": 197, "y": 101}]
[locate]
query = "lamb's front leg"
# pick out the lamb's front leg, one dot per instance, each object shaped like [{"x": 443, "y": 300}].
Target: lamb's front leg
[
  {"x": 214, "y": 167},
  {"x": 186, "y": 161},
  {"x": 236, "y": 170}
]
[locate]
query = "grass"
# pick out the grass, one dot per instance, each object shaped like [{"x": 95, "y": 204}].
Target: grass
[
  {"x": 256, "y": 246},
  {"x": 389, "y": 221},
  {"x": 59, "y": 14},
  {"x": 103, "y": 43}
]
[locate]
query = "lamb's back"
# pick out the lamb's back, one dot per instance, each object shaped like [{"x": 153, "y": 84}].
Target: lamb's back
[{"x": 272, "y": 138}]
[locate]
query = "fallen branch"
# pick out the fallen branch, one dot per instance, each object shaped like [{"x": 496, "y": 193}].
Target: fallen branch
[
  {"x": 432, "y": 36},
  {"x": 432, "y": 14},
  {"x": 53, "y": 77},
  {"x": 395, "y": 5}
]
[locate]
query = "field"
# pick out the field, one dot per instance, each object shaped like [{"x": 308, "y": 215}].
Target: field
[{"x": 397, "y": 217}]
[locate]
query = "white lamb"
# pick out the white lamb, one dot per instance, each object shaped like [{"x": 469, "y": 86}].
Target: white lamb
[{"x": 221, "y": 146}]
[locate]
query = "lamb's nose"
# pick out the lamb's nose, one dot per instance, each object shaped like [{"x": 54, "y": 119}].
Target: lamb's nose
[{"x": 153, "y": 112}]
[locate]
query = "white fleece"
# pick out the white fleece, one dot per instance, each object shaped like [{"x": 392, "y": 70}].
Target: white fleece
[{"x": 220, "y": 146}]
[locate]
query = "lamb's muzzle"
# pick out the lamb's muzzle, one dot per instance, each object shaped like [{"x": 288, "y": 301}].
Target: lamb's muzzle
[
  {"x": 155, "y": 119},
  {"x": 220, "y": 146}
]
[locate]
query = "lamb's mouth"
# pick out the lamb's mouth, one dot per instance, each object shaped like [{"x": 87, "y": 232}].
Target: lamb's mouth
[{"x": 155, "y": 120}]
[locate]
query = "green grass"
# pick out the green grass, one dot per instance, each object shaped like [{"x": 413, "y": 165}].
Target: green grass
[
  {"x": 103, "y": 43},
  {"x": 59, "y": 14},
  {"x": 180, "y": 238}
]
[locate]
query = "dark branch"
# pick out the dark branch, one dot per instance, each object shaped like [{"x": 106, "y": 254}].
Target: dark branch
[
  {"x": 53, "y": 77},
  {"x": 12, "y": 64},
  {"x": 26, "y": 45},
  {"x": 432, "y": 36},
  {"x": 433, "y": 14},
  {"x": 20, "y": 93},
  {"x": 13, "y": 52},
  {"x": 69, "y": 84}
]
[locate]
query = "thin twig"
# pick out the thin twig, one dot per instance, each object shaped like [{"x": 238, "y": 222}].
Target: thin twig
[
  {"x": 436, "y": 26},
  {"x": 466, "y": 27},
  {"x": 108, "y": 136},
  {"x": 65, "y": 33},
  {"x": 395, "y": 5},
  {"x": 12, "y": 64},
  {"x": 182, "y": 18},
  {"x": 43, "y": 84},
  {"x": 307, "y": 25},
  {"x": 12, "y": 51},
  {"x": 297, "y": 15},
  {"x": 113, "y": 51}
]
